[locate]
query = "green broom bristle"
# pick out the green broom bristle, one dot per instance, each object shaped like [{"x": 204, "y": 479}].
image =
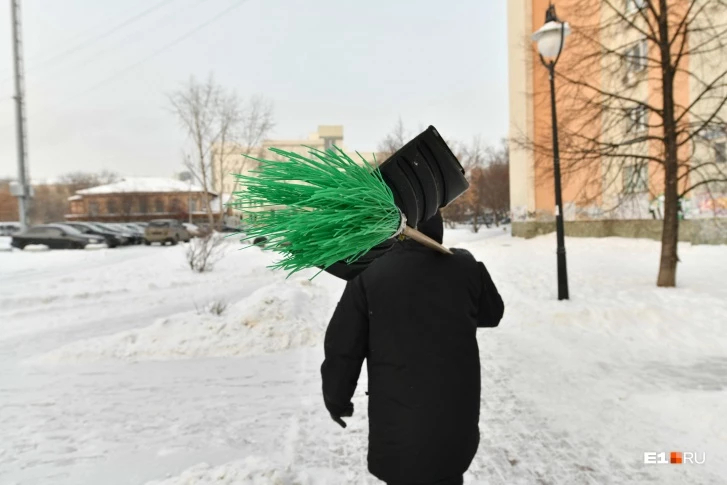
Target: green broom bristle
[{"x": 319, "y": 209}]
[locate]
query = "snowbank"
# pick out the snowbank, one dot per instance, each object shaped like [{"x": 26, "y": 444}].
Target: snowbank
[{"x": 283, "y": 315}]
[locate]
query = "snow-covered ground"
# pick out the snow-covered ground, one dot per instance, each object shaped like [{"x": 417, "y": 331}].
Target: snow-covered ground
[{"x": 116, "y": 369}]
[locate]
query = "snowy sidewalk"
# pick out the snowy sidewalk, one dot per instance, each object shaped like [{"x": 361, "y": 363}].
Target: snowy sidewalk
[{"x": 95, "y": 389}]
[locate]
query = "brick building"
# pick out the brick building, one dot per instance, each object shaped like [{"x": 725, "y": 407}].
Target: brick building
[
  {"x": 142, "y": 199},
  {"x": 8, "y": 203}
]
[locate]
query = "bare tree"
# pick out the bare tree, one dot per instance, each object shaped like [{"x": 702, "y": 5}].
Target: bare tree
[
  {"x": 496, "y": 181},
  {"x": 254, "y": 122},
  {"x": 197, "y": 106},
  {"x": 203, "y": 252},
  {"x": 487, "y": 171},
  {"x": 221, "y": 129},
  {"x": 49, "y": 203},
  {"x": 642, "y": 94},
  {"x": 79, "y": 180},
  {"x": 393, "y": 141},
  {"x": 457, "y": 211},
  {"x": 229, "y": 116},
  {"x": 473, "y": 158}
]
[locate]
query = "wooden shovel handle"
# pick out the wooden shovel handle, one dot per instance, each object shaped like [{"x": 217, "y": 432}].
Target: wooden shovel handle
[{"x": 424, "y": 239}]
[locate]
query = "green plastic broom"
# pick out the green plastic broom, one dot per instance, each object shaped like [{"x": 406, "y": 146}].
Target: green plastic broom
[{"x": 319, "y": 209}]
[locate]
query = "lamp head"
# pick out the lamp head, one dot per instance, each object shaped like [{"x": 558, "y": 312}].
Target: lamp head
[{"x": 551, "y": 36}]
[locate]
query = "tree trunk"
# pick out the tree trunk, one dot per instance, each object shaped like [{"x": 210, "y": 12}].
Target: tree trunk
[
  {"x": 669, "y": 240},
  {"x": 220, "y": 176},
  {"x": 205, "y": 185},
  {"x": 670, "y": 228}
]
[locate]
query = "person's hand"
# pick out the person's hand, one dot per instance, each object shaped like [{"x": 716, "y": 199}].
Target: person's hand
[{"x": 346, "y": 413}]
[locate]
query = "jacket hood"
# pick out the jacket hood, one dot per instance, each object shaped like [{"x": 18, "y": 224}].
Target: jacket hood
[{"x": 433, "y": 227}]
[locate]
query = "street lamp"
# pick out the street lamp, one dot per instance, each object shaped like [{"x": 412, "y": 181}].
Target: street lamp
[{"x": 551, "y": 38}]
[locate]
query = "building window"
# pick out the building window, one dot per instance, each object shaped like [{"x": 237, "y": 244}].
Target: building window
[
  {"x": 636, "y": 178},
  {"x": 93, "y": 208},
  {"x": 634, "y": 5},
  {"x": 127, "y": 204},
  {"x": 111, "y": 206},
  {"x": 193, "y": 205},
  {"x": 158, "y": 206},
  {"x": 636, "y": 56},
  {"x": 720, "y": 152},
  {"x": 175, "y": 205},
  {"x": 143, "y": 205},
  {"x": 637, "y": 119}
]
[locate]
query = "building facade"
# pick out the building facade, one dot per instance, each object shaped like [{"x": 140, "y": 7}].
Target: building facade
[
  {"x": 600, "y": 188},
  {"x": 8, "y": 203},
  {"x": 232, "y": 160},
  {"x": 142, "y": 199}
]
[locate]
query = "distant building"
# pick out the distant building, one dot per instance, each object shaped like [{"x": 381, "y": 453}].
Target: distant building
[
  {"x": 8, "y": 203},
  {"x": 234, "y": 160},
  {"x": 142, "y": 199}
]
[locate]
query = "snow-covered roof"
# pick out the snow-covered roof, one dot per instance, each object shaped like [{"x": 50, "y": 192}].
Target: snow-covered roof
[
  {"x": 75, "y": 197},
  {"x": 142, "y": 185}
]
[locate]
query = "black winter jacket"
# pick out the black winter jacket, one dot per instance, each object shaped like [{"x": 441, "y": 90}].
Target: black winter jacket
[{"x": 413, "y": 315}]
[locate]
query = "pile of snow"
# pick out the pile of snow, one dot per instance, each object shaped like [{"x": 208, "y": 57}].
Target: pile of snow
[
  {"x": 5, "y": 243},
  {"x": 252, "y": 471},
  {"x": 283, "y": 315}
]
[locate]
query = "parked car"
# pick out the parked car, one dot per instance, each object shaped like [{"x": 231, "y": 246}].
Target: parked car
[
  {"x": 9, "y": 228},
  {"x": 137, "y": 233},
  {"x": 126, "y": 234},
  {"x": 136, "y": 226},
  {"x": 55, "y": 236},
  {"x": 112, "y": 239},
  {"x": 165, "y": 231},
  {"x": 123, "y": 240}
]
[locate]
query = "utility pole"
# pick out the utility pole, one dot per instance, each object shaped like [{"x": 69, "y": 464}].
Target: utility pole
[{"x": 24, "y": 192}]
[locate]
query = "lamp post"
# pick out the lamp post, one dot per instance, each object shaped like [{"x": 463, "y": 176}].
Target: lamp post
[{"x": 551, "y": 39}]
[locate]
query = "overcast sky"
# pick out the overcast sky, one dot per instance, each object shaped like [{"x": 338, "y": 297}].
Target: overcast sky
[{"x": 96, "y": 89}]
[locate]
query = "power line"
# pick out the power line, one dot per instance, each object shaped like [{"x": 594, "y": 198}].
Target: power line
[
  {"x": 121, "y": 72},
  {"x": 125, "y": 41},
  {"x": 80, "y": 46},
  {"x": 116, "y": 75},
  {"x": 131, "y": 67}
]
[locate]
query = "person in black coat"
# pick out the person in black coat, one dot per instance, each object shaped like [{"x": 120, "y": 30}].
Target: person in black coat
[{"x": 413, "y": 315}]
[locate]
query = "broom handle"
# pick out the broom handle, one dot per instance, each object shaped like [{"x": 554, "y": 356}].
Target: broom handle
[{"x": 424, "y": 239}]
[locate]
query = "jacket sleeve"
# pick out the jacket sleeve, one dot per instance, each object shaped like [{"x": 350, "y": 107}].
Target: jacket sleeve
[
  {"x": 491, "y": 307},
  {"x": 346, "y": 346}
]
